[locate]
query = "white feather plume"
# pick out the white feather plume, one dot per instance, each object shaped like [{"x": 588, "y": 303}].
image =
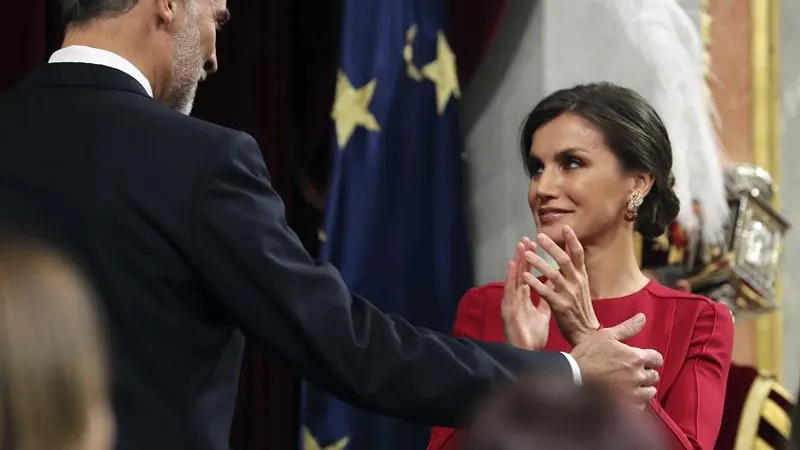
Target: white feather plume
[{"x": 670, "y": 42}]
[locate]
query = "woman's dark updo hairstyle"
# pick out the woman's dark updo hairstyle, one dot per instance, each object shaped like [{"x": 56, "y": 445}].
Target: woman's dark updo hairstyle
[{"x": 632, "y": 130}]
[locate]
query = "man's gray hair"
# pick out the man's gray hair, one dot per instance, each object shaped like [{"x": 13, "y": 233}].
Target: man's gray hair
[{"x": 78, "y": 12}]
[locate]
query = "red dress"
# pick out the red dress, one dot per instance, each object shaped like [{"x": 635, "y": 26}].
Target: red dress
[{"x": 692, "y": 333}]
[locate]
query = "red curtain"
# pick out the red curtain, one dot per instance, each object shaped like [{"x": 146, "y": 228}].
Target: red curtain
[
  {"x": 474, "y": 24},
  {"x": 276, "y": 81},
  {"x": 31, "y": 32}
]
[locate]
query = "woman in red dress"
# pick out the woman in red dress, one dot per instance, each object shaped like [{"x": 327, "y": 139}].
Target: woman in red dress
[{"x": 600, "y": 161}]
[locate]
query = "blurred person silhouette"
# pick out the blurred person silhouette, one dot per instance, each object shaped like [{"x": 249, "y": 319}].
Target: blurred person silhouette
[
  {"x": 547, "y": 412},
  {"x": 53, "y": 380}
]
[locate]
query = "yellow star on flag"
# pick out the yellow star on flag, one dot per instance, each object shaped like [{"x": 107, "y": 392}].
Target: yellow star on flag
[
  {"x": 351, "y": 108},
  {"x": 442, "y": 71},
  {"x": 310, "y": 442}
]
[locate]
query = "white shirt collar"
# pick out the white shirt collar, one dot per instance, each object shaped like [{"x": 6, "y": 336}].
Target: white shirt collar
[{"x": 90, "y": 55}]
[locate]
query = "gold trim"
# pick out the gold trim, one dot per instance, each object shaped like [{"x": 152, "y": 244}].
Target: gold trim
[
  {"x": 761, "y": 444},
  {"x": 747, "y": 432},
  {"x": 705, "y": 33},
  {"x": 780, "y": 390},
  {"x": 777, "y": 417},
  {"x": 765, "y": 75}
]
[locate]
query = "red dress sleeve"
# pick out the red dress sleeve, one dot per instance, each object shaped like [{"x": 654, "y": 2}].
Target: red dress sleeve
[
  {"x": 693, "y": 410},
  {"x": 469, "y": 323}
]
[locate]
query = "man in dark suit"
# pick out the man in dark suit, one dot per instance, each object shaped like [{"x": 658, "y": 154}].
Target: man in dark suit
[{"x": 175, "y": 221}]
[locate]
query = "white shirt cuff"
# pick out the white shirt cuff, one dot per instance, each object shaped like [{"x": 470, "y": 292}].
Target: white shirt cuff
[{"x": 576, "y": 371}]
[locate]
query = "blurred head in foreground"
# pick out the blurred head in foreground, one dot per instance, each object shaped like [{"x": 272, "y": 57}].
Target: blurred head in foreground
[
  {"x": 545, "y": 411},
  {"x": 53, "y": 387}
]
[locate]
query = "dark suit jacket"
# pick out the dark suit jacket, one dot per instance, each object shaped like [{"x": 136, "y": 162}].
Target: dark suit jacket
[{"x": 176, "y": 222}]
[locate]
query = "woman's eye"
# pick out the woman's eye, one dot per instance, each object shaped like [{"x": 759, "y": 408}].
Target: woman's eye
[
  {"x": 572, "y": 163},
  {"x": 535, "y": 169}
]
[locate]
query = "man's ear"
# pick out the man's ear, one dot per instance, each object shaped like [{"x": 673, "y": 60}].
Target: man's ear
[{"x": 167, "y": 11}]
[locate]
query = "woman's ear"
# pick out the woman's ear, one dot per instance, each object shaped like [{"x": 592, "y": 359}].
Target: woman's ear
[{"x": 643, "y": 182}]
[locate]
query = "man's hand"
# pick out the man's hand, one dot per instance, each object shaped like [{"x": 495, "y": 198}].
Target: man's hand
[{"x": 630, "y": 371}]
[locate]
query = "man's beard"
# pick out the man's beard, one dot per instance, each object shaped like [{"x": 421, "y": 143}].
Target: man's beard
[{"x": 187, "y": 69}]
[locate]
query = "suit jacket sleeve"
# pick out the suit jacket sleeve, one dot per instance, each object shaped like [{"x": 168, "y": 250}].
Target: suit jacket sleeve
[
  {"x": 469, "y": 323},
  {"x": 693, "y": 410},
  {"x": 252, "y": 263}
]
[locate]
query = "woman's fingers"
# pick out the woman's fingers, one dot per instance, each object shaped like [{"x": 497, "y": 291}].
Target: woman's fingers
[
  {"x": 544, "y": 291},
  {"x": 514, "y": 280},
  {"x": 519, "y": 259},
  {"x": 574, "y": 248},
  {"x": 550, "y": 272},
  {"x": 529, "y": 244},
  {"x": 543, "y": 307},
  {"x": 559, "y": 256},
  {"x": 511, "y": 275}
]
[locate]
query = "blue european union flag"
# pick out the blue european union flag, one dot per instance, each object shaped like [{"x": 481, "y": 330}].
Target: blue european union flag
[{"x": 395, "y": 224}]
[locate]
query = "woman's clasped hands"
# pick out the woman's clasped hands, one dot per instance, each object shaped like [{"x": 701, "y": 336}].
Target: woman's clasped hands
[{"x": 564, "y": 293}]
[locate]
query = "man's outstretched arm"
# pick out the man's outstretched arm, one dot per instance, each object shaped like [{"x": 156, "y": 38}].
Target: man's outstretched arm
[{"x": 302, "y": 311}]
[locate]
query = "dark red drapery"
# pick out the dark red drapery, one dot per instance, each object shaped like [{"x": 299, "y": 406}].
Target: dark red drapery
[
  {"x": 276, "y": 81},
  {"x": 473, "y": 26}
]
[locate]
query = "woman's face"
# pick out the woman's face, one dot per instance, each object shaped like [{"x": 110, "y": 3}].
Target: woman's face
[{"x": 576, "y": 181}]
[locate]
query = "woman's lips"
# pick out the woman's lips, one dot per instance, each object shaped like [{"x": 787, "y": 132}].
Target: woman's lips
[{"x": 547, "y": 217}]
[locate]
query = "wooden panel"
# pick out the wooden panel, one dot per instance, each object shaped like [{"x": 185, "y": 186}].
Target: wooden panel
[
  {"x": 730, "y": 84},
  {"x": 730, "y": 80}
]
